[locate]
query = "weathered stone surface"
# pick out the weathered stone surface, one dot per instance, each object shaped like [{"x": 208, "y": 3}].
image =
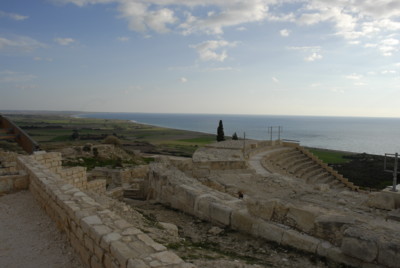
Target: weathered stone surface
[
  {"x": 270, "y": 231},
  {"x": 242, "y": 220},
  {"x": 261, "y": 208},
  {"x": 170, "y": 228},
  {"x": 280, "y": 210},
  {"x": 108, "y": 238},
  {"x": 202, "y": 205},
  {"x": 300, "y": 241},
  {"x": 381, "y": 200},
  {"x": 389, "y": 252},
  {"x": 303, "y": 217},
  {"x": 220, "y": 213},
  {"x": 333, "y": 253},
  {"x": 136, "y": 263},
  {"x": 167, "y": 258},
  {"x": 360, "y": 243},
  {"x": 331, "y": 227}
]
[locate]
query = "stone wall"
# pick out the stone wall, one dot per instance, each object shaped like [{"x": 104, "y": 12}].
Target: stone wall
[
  {"x": 118, "y": 177},
  {"x": 101, "y": 238},
  {"x": 13, "y": 182},
  {"x": 343, "y": 238}
]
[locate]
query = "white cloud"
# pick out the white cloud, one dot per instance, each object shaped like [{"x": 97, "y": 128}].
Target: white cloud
[
  {"x": 15, "y": 77},
  {"x": 275, "y": 80},
  {"x": 64, "y": 41},
  {"x": 354, "y": 76},
  {"x": 208, "y": 50},
  {"x": 123, "y": 39},
  {"x": 183, "y": 80},
  {"x": 42, "y": 59},
  {"x": 241, "y": 29},
  {"x": 20, "y": 43},
  {"x": 388, "y": 72},
  {"x": 284, "y": 32},
  {"x": 13, "y": 16},
  {"x": 313, "y": 57}
]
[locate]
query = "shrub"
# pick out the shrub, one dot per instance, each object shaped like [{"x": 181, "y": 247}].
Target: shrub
[{"x": 112, "y": 140}]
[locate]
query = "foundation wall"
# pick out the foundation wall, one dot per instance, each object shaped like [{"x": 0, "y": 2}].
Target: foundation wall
[{"x": 99, "y": 236}]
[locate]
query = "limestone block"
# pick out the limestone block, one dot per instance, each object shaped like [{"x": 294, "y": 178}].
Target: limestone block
[
  {"x": 389, "y": 252},
  {"x": 184, "y": 198},
  {"x": 140, "y": 249},
  {"x": 202, "y": 205},
  {"x": 300, "y": 241},
  {"x": 150, "y": 242},
  {"x": 95, "y": 263},
  {"x": 261, "y": 208},
  {"x": 242, "y": 220},
  {"x": 6, "y": 184},
  {"x": 269, "y": 231},
  {"x": 381, "y": 200},
  {"x": 333, "y": 253},
  {"x": 122, "y": 252},
  {"x": 137, "y": 263},
  {"x": 21, "y": 182},
  {"x": 360, "y": 243},
  {"x": 303, "y": 218},
  {"x": 331, "y": 227},
  {"x": 220, "y": 213},
  {"x": 280, "y": 210},
  {"x": 167, "y": 258},
  {"x": 107, "y": 239},
  {"x": 170, "y": 228}
]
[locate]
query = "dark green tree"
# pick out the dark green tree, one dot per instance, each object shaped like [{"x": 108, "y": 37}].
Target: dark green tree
[
  {"x": 75, "y": 134},
  {"x": 235, "y": 137},
  {"x": 220, "y": 132}
]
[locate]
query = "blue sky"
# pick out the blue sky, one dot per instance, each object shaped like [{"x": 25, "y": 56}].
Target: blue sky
[{"x": 285, "y": 57}]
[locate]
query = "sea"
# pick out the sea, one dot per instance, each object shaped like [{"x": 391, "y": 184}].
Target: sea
[{"x": 352, "y": 134}]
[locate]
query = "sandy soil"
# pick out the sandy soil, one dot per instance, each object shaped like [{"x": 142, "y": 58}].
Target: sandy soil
[{"x": 29, "y": 238}]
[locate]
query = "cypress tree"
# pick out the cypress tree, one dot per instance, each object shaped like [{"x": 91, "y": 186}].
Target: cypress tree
[
  {"x": 220, "y": 132},
  {"x": 235, "y": 137}
]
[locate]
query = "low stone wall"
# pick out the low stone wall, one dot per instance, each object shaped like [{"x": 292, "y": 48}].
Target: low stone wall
[
  {"x": 101, "y": 238},
  {"x": 339, "y": 237},
  {"x": 14, "y": 182},
  {"x": 118, "y": 177}
]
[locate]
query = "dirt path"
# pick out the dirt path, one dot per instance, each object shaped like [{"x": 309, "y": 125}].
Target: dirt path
[{"x": 29, "y": 238}]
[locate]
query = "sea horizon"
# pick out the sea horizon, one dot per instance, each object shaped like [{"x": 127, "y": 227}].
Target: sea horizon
[{"x": 374, "y": 135}]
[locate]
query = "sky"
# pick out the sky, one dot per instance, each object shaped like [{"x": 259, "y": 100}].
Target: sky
[{"x": 272, "y": 57}]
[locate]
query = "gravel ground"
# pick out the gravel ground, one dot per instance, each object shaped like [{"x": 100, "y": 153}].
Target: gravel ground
[{"x": 29, "y": 238}]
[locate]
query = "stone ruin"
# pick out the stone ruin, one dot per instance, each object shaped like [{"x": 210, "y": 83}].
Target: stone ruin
[{"x": 289, "y": 197}]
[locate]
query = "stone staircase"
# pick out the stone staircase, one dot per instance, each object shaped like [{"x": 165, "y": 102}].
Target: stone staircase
[{"x": 298, "y": 162}]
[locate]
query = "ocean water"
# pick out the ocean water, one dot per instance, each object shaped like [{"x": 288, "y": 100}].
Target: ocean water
[{"x": 354, "y": 134}]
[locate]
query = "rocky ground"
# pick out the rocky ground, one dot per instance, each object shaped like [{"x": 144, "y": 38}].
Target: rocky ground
[{"x": 29, "y": 238}]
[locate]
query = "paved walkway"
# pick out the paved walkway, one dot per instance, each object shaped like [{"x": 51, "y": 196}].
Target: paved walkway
[
  {"x": 255, "y": 161},
  {"x": 29, "y": 238}
]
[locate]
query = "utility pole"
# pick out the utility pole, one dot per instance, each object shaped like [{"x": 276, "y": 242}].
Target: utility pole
[{"x": 394, "y": 171}]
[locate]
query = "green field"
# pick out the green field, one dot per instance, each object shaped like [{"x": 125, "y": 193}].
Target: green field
[
  {"x": 56, "y": 131},
  {"x": 331, "y": 156}
]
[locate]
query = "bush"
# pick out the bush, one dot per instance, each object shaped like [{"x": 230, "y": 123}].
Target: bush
[{"x": 112, "y": 140}]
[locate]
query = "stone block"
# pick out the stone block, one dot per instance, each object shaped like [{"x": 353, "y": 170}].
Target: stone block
[
  {"x": 167, "y": 258},
  {"x": 242, "y": 220},
  {"x": 300, "y": 241},
  {"x": 220, "y": 213},
  {"x": 107, "y": 239},
  {"x": 202, "y": 205},
  {"x": 184, "y": 198},
  {"x": 122, "y": 252},
  {"x": 280, "y": 210},
  {"x": 269, "y": 231},
  {"x": 389, "y": 252},
  {"x": 21, "y": 183},
  {"x": 150, "y": 242},
  {"x": 6, "y": 184},
  {"x": 381, "y": 200},
  {"x": 360, "y": 243},
  {"x": 263, "y": 209},
  {"x": 303, "y": 218},
  {"x": 95, "y": 262},
  {"x": 137, "y": 263},
  {"x": 331, "y": 227}
]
